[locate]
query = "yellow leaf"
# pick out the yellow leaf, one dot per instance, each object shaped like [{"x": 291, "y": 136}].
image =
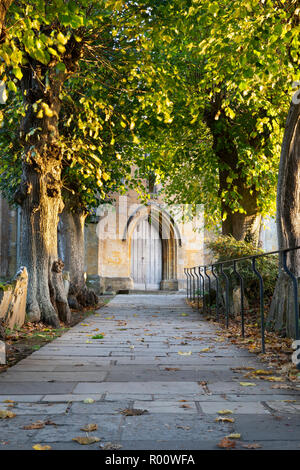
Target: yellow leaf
[
  {"x": 205, "y": 349},
  {"x": 84, "y": 440},
  {"x": 234, "y": 436},
  {"x": 224, "y": 420},
  {"x": 247, "y": 384},
  {"x": 90, "y": 427},
  {"x": 185, "y": 353},
  {"x": 6, "y": 414},
  {"x": 88, "y": 400},
  {"x": 225, "y": 412},
  {"x": 40, "y": 447}
]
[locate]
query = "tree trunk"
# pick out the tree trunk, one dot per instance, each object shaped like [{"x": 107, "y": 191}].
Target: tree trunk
[
  {"x": 40, "y": 197},
  {"x": 241, "y": 225},
  {"x": 72, "y": 251},
  {"x": 281, "y": 315},
  {"x": 4, "y": 6}
]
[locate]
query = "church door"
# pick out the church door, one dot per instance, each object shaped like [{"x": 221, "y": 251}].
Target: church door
[{"x": 146, "y": 257}]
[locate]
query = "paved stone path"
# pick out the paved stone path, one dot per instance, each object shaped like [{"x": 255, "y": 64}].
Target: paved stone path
[{"x": 137, "y": 365}]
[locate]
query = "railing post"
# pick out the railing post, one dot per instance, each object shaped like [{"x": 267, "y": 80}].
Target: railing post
[
  {"x": 261, "y": 298},
  {"x": 242, "y": 296},
  {"x": 217, "y": 291},
  {"x": 185, "y": 273},
  {"x": 198, "y": 286},
  {"x": 226, "y": 295},
  {"x": 209, "y": 298},
  {"x": 203, "y": 287}
]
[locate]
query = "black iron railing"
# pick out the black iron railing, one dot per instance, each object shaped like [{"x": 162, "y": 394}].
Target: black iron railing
[{"x": 223, "y": 275}]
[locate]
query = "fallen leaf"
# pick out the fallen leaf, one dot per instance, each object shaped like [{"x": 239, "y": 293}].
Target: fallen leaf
[
  {"x": 133, "y": 412},
  {"x": 234, "y": 436},
  {"x": 90, "y": 427},
  {"x": 48, "y": 422},
  {"x": 36, "y": 425},
  {"x": 262, "y": 372},
  {"x": 185, "y": 353},
  {"x": 171, "y": 368},
  {"x": 251, "y": 446},
  {"x": 274, "y": 379},
  {"x": 88, "y": 400},
  {"x": 205, "y": 349},
  {"x": 110, "y": 446},
  {"x": 185, "y": 406},
  {"x": 224, "y": 420},
  {"x": 40, "y": 447},
  {"x": 283, "y": 386},
  {"x": 226, "y": 443},
  {"x": 186, "y": 428},
  {"x": 247, "y": 384},
  {"x": 9, "y": 401},
  {"x": 225, "y": 412},
  {"x": 6, "y": 414},
  {"x": 86, "y": 440}
]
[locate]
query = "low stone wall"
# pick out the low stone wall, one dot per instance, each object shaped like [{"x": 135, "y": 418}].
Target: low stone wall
[{"x": 13, "y": 299}]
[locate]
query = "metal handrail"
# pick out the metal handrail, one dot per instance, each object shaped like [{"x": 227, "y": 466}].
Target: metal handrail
[{"x": 226, "y": 263}]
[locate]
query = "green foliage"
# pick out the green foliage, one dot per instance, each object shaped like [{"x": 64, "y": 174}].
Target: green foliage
[{"x": 225, "y": 248}]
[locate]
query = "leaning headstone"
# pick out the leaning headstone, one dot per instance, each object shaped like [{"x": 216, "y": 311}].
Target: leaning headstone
[{"x": 13, "y": 299}]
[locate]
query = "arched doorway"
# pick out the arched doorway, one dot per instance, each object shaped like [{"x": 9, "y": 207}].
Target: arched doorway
[{"x": 146, "y": 256}]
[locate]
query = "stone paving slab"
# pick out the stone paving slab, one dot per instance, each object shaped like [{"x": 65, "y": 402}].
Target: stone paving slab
[
  {"x": 74, "y": 376},
  {"x": 31, "y": 388},
  {"x": 138, "y": 387},
  {"x": 121, "y": 371}
]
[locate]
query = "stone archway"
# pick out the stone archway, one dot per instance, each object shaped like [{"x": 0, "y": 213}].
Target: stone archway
[
  {"x": 169, "y": 236},
  {"x": 146, "y": 256}
]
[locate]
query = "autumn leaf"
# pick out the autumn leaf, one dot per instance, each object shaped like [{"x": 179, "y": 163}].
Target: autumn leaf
[
  {"x": 262, "y": 372},
  {"x": 4, "y": 414},
  {"x": 225, "y": 412},
  {"x": 171, "y": 368},
  {"x": 40, "y": 447},
  {"x": 224, "y": 420},
  {"x": 252, "y": 446},
  {"x": 110, "y": 446},
  {"x": 234, "y": 436},
  {"x": 90, "y": 427},
  {"x": 181, "y": 353},
  {"x": 88, "y": 400},
  {"x": 205, "y": 349},
  {"x": 247, "y": 384},
  {"x": 185, "y": 406},
  {"x": 226, "y": 443},
  {"x": 36, "y": 425},
  {"x": 133, "y": 412},
  {"x": 274, "y": 379},
  {"x": 86, "y": 440}
]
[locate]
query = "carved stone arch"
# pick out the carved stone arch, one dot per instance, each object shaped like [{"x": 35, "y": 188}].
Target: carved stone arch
[{"x": 170, "y": 239}]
